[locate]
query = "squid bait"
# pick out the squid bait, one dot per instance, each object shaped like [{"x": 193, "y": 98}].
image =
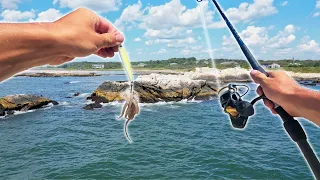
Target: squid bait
[{"x": 131, "y": 105}]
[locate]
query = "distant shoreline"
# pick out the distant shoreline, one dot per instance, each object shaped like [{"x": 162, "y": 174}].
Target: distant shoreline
[{"x": 61, "y": 72}]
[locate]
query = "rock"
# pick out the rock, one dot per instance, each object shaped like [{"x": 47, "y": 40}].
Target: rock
[
  {"x": 21, "y": 102},
  {"x": 76, "y": 94},
  {"x": 10, "y": 112},
  {"x": 54, "y": 102},
  {"x": 156, "y": 88},
  {"x": 2, "y": 112},
  {"x": 92, "y": 106}
]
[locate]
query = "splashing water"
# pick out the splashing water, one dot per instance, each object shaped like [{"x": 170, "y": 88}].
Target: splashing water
[{"x": 207, "y": 37}]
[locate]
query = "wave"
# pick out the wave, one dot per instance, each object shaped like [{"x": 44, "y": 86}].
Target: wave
[
  {"x": 64, "y": 103},
  {"x": 15, "y": 113},
  {"x": 84, "y": 95},
  {"x": 74, "y": 82}
]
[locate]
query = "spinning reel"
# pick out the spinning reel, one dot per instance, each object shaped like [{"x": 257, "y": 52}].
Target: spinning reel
[{"x": 238, "y": 109}]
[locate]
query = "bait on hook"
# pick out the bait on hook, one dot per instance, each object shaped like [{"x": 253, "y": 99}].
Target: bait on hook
[{"x": 131, "y": 105}]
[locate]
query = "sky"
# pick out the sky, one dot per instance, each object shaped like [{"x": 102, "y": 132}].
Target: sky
[{"x": 162, "y": 29}]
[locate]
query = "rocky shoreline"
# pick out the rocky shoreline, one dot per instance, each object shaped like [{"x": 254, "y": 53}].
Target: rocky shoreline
[
  {"x": 226, "y": 75},
  {"x": 202, "y": 84}
]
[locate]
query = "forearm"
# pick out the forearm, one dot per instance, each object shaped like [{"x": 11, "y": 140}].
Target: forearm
[
  {"x": 24, "y": 46},
  {"x": 308, "y": 104}
]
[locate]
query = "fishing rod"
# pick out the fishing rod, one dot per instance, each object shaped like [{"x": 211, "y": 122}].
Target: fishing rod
[{"x": 292, "y": 126}]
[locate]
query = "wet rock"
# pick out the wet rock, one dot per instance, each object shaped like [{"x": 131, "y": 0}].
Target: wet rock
[
  {"x": 22, "y": 102},
  {"x": 92, "y": 106},
  {"x": 2, "y": 112},
  {"x": 76, "y": 94}
]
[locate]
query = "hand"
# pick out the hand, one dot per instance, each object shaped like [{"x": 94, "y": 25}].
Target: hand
[
  {"x": 279, "y": 88},
  {"x": 82, "y": 33}
]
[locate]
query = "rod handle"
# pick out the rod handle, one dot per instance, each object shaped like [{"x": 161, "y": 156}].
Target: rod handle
[{"x": 291, "y": 125}]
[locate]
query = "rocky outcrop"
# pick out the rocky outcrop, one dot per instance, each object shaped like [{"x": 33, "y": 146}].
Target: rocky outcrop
[
  {"x": 22, "y": 102},
  {"x": 157, "y": 88},
  {"x": 92, "y": 106}
]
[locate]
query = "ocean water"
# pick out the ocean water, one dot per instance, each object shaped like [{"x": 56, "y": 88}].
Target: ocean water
[{"x": 184, "y": 140}]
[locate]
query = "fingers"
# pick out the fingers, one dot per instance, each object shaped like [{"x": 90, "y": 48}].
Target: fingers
[
  {"x": 259, "y": 91},
  {"x": 258, "y": 77},
  {"x": 106, "y": 52},
  {"x": 270, "y": 105},
  {"x": 105, "y": 26},
  {"x": 266, "y": 102},
  {"x": 108, "y": 40}
]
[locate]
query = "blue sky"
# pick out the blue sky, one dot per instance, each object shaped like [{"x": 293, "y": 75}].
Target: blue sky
[{"x": 162, "y": 29}]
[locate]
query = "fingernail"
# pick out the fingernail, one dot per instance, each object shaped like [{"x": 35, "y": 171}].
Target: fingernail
[
  {"x": 119, "y": 37},
  {"x": 254, "y": 72}
]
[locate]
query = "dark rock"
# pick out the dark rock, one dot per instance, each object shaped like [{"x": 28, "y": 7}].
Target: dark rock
[
  {"x": 55, "y": 103},
  {"x": 10, "y": 112},
  {"x": 2, "y": 112},
  {"x": 76, "y": 94},
  {"x": 92, "y": 106}
]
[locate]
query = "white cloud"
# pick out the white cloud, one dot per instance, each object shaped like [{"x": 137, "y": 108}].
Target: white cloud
[
  {"x": 174, "y": 32},
  {"x": 137, "y": 39},
  {"x": 161, "y": 51},
  {"x": 283, "y": 38},
  {"x": 9, "y": 4},
  {"x": 189, "y": 31},
  {"x": 130, "y": 14},
  {"x": 14, "y": 15},
  {"x": 172, "y": 43},
  {"x": 251, "y": 36},
  {"x": 49, "y": 15},
  {"x": 149, "y": 42},
  {"x": 247, "y": 12},
  {"x": 316, "y": 14},
  {"x": 177, "y": 43},
  {"x": 257, "y": 38},
  {"x": 284, "y": 3},
  {"x": 185, "y": 51},
  {"x": 318, "y": 4},
  {"x": 289, "y": 28},
  {"x": 311, "y": 46},
  {"x": 96, "y": 5}
]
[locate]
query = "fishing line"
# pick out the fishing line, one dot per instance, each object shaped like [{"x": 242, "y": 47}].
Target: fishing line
[
  {"x": 208, "y": 41},
  {"x": 209, "y": 46}
]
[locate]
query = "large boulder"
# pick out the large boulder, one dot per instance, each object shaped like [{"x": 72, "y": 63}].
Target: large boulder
[
  {"x": 156, "y": 88},
  {"x": 22, "y": 102}
]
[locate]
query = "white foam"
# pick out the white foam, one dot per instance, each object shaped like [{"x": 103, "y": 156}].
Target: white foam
[
  {"x": 74, "y": 82},
  {"x": 64, "y": 103},
  {"x": 84, "y": 95}
]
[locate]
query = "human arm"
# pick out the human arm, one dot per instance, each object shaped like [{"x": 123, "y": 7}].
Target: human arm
[
  {"x": 78, "y": 34},
  {"x": 286, "y": 92}
]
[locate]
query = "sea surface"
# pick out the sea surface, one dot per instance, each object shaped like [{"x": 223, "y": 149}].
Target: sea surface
[{"x": 184, "y": 140}]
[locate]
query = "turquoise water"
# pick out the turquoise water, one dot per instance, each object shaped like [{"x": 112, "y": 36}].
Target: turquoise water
[{"x": 171, "y": 140}]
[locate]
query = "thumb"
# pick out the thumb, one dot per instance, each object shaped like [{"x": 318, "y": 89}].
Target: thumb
[
  {"x": 107, "y": 40},
  {"x": 258, "y": 77}
]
